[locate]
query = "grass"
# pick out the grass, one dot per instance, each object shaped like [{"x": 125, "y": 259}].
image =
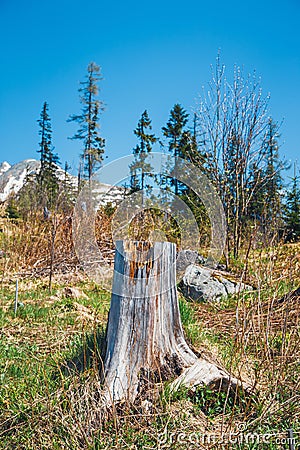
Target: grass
[
  {"x": 34, "y": 344},
  {"x": 49, "y": 370},
  {"x": 257, "y": 337}
]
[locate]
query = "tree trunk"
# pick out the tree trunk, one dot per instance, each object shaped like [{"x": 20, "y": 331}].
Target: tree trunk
[{"x": 144, "y": 339}]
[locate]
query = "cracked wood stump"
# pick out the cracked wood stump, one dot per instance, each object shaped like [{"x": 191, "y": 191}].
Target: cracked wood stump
[{"x": 144, "y": 338}]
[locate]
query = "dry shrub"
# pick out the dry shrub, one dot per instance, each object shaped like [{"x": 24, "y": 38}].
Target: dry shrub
[
  {"x": 26, "y": 246},
  {"x": 103, "y": 234}
]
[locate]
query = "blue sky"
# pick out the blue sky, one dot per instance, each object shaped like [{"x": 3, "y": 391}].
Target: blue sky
[{"x": 152, "y": 54}]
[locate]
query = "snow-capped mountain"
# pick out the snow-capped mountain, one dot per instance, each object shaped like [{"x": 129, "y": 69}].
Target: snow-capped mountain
[
  {"x": 12, "y": 179},
  {"x": 4, "y": 167}
]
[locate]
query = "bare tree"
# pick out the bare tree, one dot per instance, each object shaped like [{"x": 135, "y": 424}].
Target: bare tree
[{"x": 232, "y": 123}]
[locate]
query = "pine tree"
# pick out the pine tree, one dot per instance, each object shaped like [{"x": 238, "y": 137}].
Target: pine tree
[
  {"x": 140, "y": 167},
  {"x": 292, "y": 209},
  {"x": 179, "y": 139},
  {"x": 48, "y": 183},
  {"x": 265, "y": 186},
  {"x": 88, "y": 120},
  {"x": 273, "y": 178}
]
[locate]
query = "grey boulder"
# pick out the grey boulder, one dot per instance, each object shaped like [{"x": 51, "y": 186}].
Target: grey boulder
[{"x": 203, "y": 284}]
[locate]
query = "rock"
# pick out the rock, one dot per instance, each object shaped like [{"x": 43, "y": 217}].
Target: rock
[
  {"x": 187, "y": 257},
  {"x": 208, "y": 285},
  {"x": 76, "y": 293}
]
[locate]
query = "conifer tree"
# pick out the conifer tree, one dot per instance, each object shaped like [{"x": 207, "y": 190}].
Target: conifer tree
[
  {"x": 183, "y": 143},
  {"x": 272, "y": 175},
  {"x": 179, "y": 139},
  {"x": 265, "y": 205},
  {"x": 88, "y": 120},
  {"x": 292, "y": 209},
  {"x": 48, "y": 183},
  {"x": 140, "y": 167}
]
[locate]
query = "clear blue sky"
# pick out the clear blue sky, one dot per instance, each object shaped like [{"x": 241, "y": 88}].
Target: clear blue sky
[{"x": 153, "y": 54}]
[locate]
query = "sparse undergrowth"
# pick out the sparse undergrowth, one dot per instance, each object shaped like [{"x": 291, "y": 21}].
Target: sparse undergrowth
[{"x": 49, "y": 370}]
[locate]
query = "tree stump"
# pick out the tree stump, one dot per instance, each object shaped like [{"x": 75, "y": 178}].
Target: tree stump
[{"x": 144, "y": 338}]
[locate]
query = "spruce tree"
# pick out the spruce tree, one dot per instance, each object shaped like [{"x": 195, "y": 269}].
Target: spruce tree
[
  {"x": 48, "y": 183},
  {"x": 292, "y": 209},
  {"x": 88, "y": 120},
  {"x": 265, "y": 185},
  {"x": 272, "y": 175},
  {"x": 140, "y": 166},
  {"x": 177, "y": 135},
  {"x": 183, "y": 143}
]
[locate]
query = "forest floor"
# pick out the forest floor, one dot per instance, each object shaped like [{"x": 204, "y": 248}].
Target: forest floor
[{"x": 49, "y": 366}]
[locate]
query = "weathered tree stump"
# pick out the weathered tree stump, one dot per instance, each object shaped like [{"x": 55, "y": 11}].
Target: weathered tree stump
[{"x": 144, "y": 338}]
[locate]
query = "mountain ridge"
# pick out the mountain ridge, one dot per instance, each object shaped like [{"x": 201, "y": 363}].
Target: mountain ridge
[{"x": 13, "y": 178}]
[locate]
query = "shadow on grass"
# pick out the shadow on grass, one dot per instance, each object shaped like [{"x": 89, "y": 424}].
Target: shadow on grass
[{"x": 90, "y": 354}]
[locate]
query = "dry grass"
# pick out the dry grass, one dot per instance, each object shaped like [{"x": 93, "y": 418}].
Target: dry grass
[
  {"x": 26, "y": 245},
  {"x": 49, "y": 355}
]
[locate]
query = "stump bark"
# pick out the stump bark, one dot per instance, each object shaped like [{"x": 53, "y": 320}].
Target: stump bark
[{"x": 144, "y": 338}]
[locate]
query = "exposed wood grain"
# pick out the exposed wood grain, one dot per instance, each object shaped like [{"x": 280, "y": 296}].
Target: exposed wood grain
[{"x": 145, "y": 340}]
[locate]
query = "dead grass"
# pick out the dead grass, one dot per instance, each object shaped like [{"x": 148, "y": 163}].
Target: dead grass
[{"x": 50, "y": 387}]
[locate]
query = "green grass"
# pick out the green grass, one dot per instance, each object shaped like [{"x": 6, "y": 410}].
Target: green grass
[
  {"x": 50, "y": 354},
  {"x": 34, "y": 346},
  {"x": 191, "y": 327}
]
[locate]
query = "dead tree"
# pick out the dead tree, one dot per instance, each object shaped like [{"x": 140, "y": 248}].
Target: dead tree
[
  {"x": 233, "y": 120},
  {"x": 144, "y": 339}
]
